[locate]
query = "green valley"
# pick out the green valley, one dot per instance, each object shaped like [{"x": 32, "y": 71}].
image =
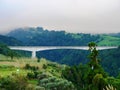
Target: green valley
[{"x": 24, "y": 73}]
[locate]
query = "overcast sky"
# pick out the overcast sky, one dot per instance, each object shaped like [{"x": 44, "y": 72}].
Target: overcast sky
[{"x": 86, "y": 16}]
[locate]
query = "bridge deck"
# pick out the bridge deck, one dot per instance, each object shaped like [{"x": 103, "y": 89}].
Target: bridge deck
[{"x": 34, "y": 49}]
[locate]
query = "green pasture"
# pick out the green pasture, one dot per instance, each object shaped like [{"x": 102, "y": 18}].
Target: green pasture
[
  {"x": 109, "y": 41},
  {"x": 6, "y": 70},
  {"x": 8, "y": 66}
]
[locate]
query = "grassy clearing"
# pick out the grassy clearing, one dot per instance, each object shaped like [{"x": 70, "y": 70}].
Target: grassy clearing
[
  {"x": 17, "y": 66},
  {"x": 33, "y": 82},
  {"x": 8, "y": 71},
  {"x": 8, "y": 66},
  {"x": 21, "y": 62},
  {"x": 109, "y": 41}
]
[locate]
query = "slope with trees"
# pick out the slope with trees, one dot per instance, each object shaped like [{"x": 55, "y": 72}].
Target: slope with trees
[
  {"x": 40, "y": 37},
  {"x": 10, "y": 41},
  {"x": 5, "y": 50},
  {"x": 91, "y": 76},
  {"x": 110, "y": 59}
]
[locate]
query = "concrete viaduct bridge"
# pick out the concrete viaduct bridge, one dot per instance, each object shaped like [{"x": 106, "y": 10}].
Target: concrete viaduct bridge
[{"x": 34, "y": 49}]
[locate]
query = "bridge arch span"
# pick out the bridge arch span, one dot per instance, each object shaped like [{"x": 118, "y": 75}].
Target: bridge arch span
[{"x": 35, "y": 49}]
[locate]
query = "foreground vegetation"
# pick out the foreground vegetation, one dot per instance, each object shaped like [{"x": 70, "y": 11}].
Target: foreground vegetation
[
  {"x": 91, "y": 76},
  {"x": 18, "y": 73},
  {"x": 32, "y": 74}
]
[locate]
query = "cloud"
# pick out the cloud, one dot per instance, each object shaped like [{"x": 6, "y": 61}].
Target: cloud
[{"x": 89, "y": 16}]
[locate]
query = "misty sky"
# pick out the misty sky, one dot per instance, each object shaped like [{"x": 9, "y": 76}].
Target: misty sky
[{"x": 86, "y": 16}]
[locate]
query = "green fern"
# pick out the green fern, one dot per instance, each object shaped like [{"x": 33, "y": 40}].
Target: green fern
[{"x": 109, "y": 87}]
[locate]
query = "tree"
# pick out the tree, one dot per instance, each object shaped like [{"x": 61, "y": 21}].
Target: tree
[
  {"x": 5, "y": 50},
  {"x": 97, "y": 75},
  {"x": 93, "y": 55},
  {"x": 13, "y": 82}
]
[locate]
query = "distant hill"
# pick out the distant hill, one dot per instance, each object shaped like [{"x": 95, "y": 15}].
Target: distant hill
[
  {"x": 115, "y": 34},
  {"x": 9, "y": 41},
  {"x": 40, "y": 37}
]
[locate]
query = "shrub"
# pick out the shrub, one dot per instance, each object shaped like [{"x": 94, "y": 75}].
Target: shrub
[
  {"x": 27, "y": 66},
  {"x": 109, "y": 87},
  {"x": 38, "y": 60},
  {"x": 53, "y": 83},
  {"x": 30, "y": 87},
  {"x": 13, "y": 82},
  {"x": 42, "y": 76},
  {"x": 30, "y": 75},
  {"x": 34, "y": 68},
  {"x": 44, "y": 66},
  {"x": 39, "y": 88}
]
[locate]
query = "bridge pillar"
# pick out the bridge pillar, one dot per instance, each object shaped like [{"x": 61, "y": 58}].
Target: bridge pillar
[{"x": 33, "y": 54}]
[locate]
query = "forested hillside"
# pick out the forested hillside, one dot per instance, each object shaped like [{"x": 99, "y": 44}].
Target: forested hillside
[
  {"x": 10, "y": 41},
  {"x": 109, "y": 59},
  {"x": 40, "y": 37}
]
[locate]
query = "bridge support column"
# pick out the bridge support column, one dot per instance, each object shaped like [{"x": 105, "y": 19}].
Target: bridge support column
[{"x": 33, "y": 54}]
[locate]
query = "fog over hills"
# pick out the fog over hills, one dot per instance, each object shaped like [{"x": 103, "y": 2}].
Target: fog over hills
[
  {"x": 42, "y": 37},
  {"x": 75, "y": 16}
]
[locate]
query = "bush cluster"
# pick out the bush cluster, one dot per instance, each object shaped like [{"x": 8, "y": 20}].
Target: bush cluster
[
  {"x": 29, "y": 67},
  {"x": 13, "y": 82},
  {"x": 53, "y": 83},
  {"x": 33, "y": 75}
]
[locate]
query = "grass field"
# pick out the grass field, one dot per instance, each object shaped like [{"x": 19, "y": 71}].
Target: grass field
[
  {"x": 16, "y": 66},
  {"x": 109, "y": 41},
  {"x": 8, "y": 66},
  {"x": 21, "y": 62}
]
